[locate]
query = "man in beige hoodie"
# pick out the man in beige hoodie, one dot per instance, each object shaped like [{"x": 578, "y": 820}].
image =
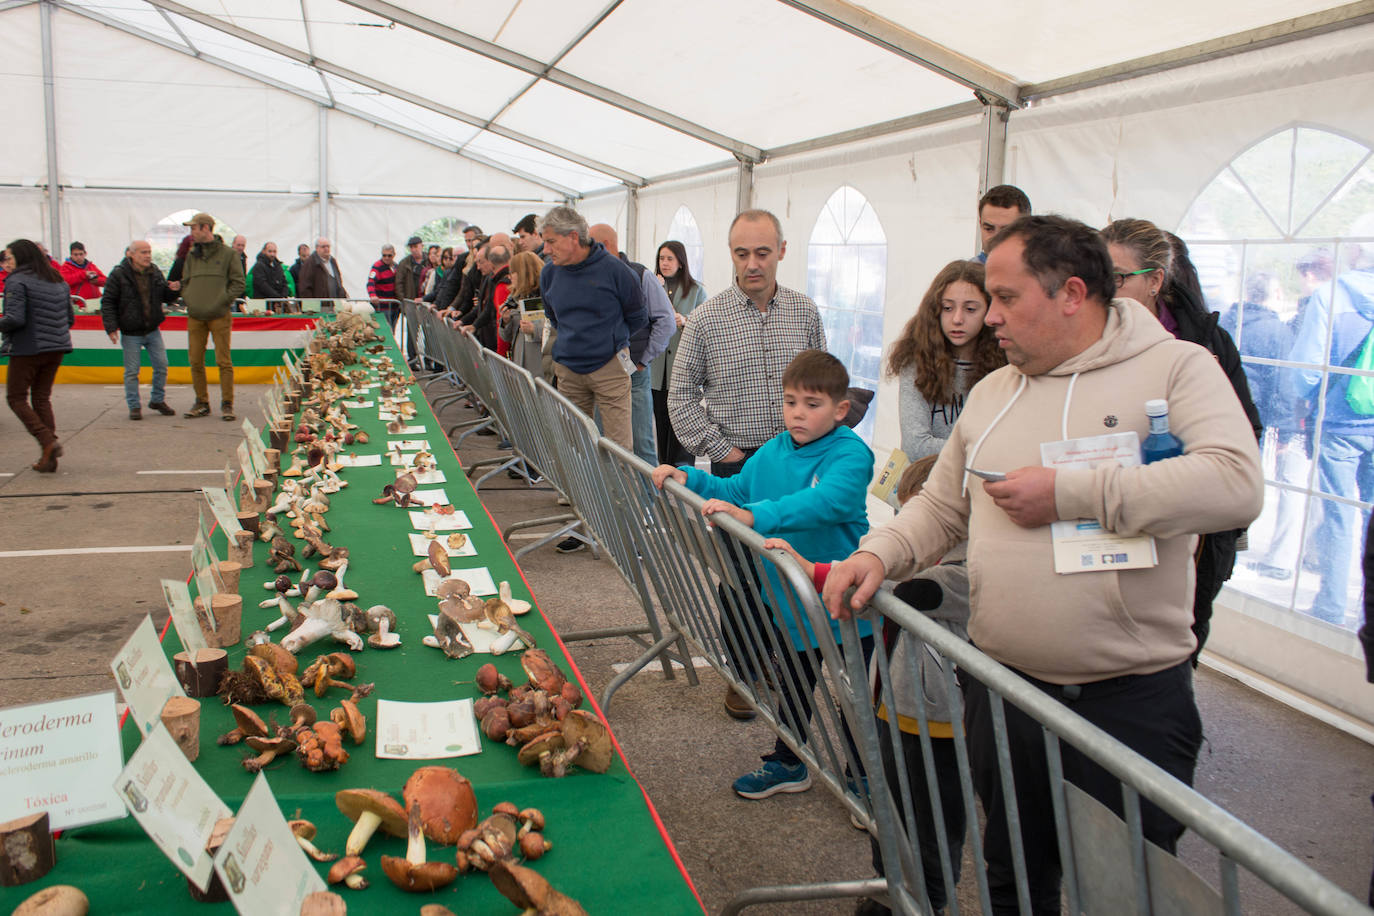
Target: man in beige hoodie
[{"x": 1112, "y": 644}]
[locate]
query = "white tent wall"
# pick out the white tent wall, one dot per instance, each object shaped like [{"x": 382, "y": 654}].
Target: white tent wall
[
  {"x": 22, "y": 158},
  {"x": 711, "y": 200},
  {"x": 23, "y": 214}
]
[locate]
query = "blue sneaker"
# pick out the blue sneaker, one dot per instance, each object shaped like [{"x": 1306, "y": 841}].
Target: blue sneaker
[{"x": 771, "y": 778}]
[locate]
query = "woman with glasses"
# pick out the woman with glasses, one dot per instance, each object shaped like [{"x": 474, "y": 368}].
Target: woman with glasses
[
  {"x": 1153, "y": 268},
  {"x": 37, "y": 325}
]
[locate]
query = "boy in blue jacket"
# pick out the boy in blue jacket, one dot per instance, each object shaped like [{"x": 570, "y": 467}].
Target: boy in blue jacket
[{"x": 808, "y": 485}]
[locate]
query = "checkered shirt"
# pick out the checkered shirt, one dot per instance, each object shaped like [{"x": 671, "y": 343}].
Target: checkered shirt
[{"x": 726, "y": 389}]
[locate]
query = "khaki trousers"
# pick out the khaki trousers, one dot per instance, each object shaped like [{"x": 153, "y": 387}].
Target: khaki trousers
[
  {"x": 606, "y": 389},
  {"x": 196, "y": 333}
]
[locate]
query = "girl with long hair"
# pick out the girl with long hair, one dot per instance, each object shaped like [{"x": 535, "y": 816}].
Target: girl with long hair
[
  {"x": 943, "y": 351},
  {"x": 525, "y": 268},
  {"x": 37, "y": 326},
  {"x": 686, "y": 294}
]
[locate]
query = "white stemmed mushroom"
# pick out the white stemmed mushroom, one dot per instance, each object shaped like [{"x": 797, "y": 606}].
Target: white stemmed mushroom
[
  {"x": 323, "y": 618},
  {"x": 341, "y": 591},
  {"x": 382, "y": 619},
  {"x": 516, "y": 605}
]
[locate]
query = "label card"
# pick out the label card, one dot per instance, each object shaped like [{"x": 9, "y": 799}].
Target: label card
[
  {"x": 358, "y": 405},
  {"x": 426, "y": 731},
  {"x": 144, "y": 675},
  {"x": 478, "y": 579},
  {"x": 361, "y": 461},
  {"x": 407, "y": 445},
  {"x": 1082, "y": 544},
  {"x": 427, "y": 477},
  {"x": 178, "y": 598},
  {"x": 419, "y": 545},
  {"x": 262, "y": 866},
  {"x": 172, "y": 803},
  {"x": 245, "y": 456},
  {"x": 223, "y": 510},
  {"x": 436, "y": 497},
  {"x": 254, "y": 439},
  {"x": 61, "y": 756},
  {"x": 421, "y": 520},
  {"x": 229, "y": 479}
]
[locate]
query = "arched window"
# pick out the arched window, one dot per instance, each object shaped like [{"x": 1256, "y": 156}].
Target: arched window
[
  {"x": 446, "y": 232},
  {"x": 846, "y": 273},
  {"x": 169, "y": 231},
  {"x": 684, "y": 229},
  {"x": 1283, "y": 239}
]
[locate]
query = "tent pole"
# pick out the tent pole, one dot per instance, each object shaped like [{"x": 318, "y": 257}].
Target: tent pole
[
  {"x": 744, "y": 186},
  {"x": 993, "y": 156},
  {"x": 324, "y": 171},
  {"x": 50, "y": 122},
  {"x": 631, "y": 245}
]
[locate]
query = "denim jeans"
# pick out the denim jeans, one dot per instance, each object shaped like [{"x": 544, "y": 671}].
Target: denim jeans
[
  {"x": 1345, "y": 467},
  {"x": 133, "y": 345},
  {"x": 642, "y": 417}
]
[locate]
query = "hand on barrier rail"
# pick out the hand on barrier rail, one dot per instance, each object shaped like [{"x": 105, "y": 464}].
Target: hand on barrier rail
[
  {"x": 861, "y": 570},
  {"x": 1027, "y": 496},
  {"x": 664, "y": 471},
  {"x": 781, "y": 544},
  {"x": 713, "y": 506}
]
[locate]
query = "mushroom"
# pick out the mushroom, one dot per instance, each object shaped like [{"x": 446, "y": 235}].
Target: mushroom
[
  {"x": 516, "y": 605},
  {"x": 341, "y": 591},
  {"x": 268, "y": 749},
  {"x": 543, "y": 672},
  {"x": 369, "y": 809},
  {"x": 453, "y": 588},
  {"x": 321, "y": 619},
  {"x": 246, "y": 723},
  {"x": 533, "y": 845},
  {"x": 489, "y": 680},
  {"x": 382, "y": 619},
  {"x": 491, "y": 841},
  {"x": 437, "y": 560},
  {"x": 449, "y": 636},
  {"x": 304, "y": 832},
  {"x": 530, "y": 890},
  {"x": 282, "y": 556},
  {"x": 302, "y": 714},
  {"x": 349, "y": 870},
  {"x": 284, "y": 688},
  {"x": 413, "y": 873},
  {"x": 588, "y": 745},
  {"x": 320, "y": 583},
  {"x": 323, "y": 903},
  {"x": 284, "y": 586},
  {"x": 320, "y": 747},
  {"x": 457, "y": 540},
  {"x": 284, "y": 662},
  {"x": 444, "y": 800},
  {"x": 500, "y": 619},
  {"x": 349, "y": 718},
  {"x": 57, "y": 900}
]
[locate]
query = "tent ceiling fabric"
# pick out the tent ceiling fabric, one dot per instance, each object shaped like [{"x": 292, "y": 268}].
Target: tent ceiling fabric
[{"x": 590, "y": 94}]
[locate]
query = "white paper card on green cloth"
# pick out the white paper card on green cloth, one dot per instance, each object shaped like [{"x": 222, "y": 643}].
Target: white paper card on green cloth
[
  {"x": 360, "y": 461},
  {"x": 223, "y": 509},
  {"x": 431, "y": 476},
  {"x": 260, "y": 863},
  {"x": 426, "y": 731},
  {"x": 419, "y": 545},
  {"x": 173, "y": 804},
  {"x": 61, "y": 756},
  {"x": 144, "y": 675},
  {"x": 178, "y": 598},
  {"x": 359, "y": 405},
  {"x": 412, "y": 430},
  {"x": 436, "y": 497},
  {"x": 480, "y": 638},
  {"x": 478, "y": 579},
  {"x": 422, "y": 520},
  {"x": 403, "y": 460},
  {"x": 407, "y": 445},
  {"x": 1082, "y": 544}
]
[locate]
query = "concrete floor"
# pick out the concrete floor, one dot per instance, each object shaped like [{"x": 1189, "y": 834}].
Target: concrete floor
[{"x": 1299, "y": 782}]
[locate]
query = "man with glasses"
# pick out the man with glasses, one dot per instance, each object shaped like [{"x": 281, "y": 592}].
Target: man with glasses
[
  {"x": 320, "y": 277},
  {"x": 381, "y": 280}
]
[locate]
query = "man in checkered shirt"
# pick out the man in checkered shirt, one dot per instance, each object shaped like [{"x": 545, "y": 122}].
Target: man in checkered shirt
[{"x": 725, "y": 398}]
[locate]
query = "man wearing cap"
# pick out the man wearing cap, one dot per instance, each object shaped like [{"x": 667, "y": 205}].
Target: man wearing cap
[
  {"x": 81, "y": 275},
  {"x": 411, "y": 272},
  {"x": 211, "y": 279}
]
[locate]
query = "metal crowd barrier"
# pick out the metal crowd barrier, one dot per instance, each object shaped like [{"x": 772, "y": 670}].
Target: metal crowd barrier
[{"x": 1108, "y": 866}]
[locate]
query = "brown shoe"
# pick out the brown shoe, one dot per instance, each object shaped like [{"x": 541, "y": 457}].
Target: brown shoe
[
  {"x": 737, "y": 707},
  {"x": 47, "y": 463},
  {"x": 163, "y": 408},
  {"x": 226, "y": 411}
]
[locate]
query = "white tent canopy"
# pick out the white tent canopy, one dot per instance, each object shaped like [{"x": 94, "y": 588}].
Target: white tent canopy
[{"x": 363, "y": 120}]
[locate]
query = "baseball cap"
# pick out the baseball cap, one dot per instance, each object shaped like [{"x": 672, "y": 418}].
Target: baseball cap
[
  {"x": 414, "y": 240},
  {"x": 200, "y": 219}
]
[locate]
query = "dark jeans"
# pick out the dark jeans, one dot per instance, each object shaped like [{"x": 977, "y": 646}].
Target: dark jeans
[
  {"x": 793, "y": 668},
  {"x": 28, "y": 389},
  {"x": 670, "y": 450},
  {"x": 951, "y": 806},
  {"x": 1153, "y": 714}
]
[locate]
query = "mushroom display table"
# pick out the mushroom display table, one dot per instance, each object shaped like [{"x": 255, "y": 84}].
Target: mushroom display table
[{"x": 609, "y": 850}]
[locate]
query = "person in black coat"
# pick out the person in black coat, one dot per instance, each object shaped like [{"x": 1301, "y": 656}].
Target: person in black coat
[
  {"x": 269, "y": 277},
  {"x": 131, "y": 312},
  {"x": 37, "y": 324}
]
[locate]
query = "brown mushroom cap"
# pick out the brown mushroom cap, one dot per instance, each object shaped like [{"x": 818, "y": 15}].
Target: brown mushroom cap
[
  {"x": 345, "y": 867},
  {"x": 445, "y": 801},
  {"x": 549, "y": 741},
  {"x": 303, "y": 714},
  {"x": 526, "y": 888},
  {"x": 453, "y": 588},
  {"x": 57, "y": 900},
  {"x": 303, "y": 829},
  {"x": 353, "y": 803},
  {"x": 354, "y": 722},
  {"x": 323, "y": 903},
  {"x": 438, "y": 558},
  {"x": 581, "y": 727},
  {"x": 422, "y": 878}
]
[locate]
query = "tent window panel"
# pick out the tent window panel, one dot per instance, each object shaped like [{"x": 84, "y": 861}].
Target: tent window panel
[
  {"x": 684, "y": 229},
  {"x": 846, "y": 274},
  {"x": 1299, "y": 308}
]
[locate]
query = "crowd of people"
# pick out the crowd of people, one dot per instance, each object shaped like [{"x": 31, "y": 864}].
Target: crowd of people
[{"x": 1050, "y": 338}]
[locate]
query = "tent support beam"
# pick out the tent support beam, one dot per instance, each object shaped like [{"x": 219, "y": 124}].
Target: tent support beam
[
  {"x": 324, "y": 170},
  {"x": 908, "y": 45},
  {"x": 992, "y": 157},
  {"x": 631, "y": 223},
  {"x": 1341, "y": 17},
  {"x": 744, "y": 186},
  {"x": 14, "y": 4},
  {"x": 50, "y": 123},
  {"x": 558, "y": 77},
  {"x": 317, "y": 100},
  {"x": 318, "y": 64}
]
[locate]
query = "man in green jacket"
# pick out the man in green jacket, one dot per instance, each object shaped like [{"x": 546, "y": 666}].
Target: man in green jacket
[{"x": 211, "y": 280}]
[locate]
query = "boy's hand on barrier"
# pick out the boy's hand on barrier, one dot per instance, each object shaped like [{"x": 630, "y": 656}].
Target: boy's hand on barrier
[
  {"x": 781, "y": 544},
  {"x": 1027, "y": 496},
  {"x": 664, "y": 471},
  {"x": 863, "y": 572},
  {"x": 743, "y": 516}
]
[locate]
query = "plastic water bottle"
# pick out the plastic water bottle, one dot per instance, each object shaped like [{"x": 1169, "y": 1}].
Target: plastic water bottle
[{"x": 1160, "y": 443}]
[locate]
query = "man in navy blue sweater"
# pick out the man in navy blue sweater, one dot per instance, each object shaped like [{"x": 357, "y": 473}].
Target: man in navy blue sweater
[{"x": 595, "y": 303}]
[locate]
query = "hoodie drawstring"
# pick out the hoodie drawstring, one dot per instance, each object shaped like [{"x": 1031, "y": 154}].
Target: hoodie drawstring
[
  {"x": 1064, "y": 417},
  {"x": 972, "y": 455}
]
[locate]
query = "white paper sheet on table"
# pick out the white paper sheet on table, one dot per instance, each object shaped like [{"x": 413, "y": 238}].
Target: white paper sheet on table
[
  {"x": 421, "y": 520},
  {"x": 411, "y": 431},
  {"x": 478, "y": 579},
  {"x": 435, "y": 497},
  {"x": 481, "y": 638},
  {"x": 407, "y": 445},
  {"x": 426, "y": 731},
  {"x": 419, "y": 545},
  {"x": 403, "y": 460},
  {"x": 359, "y": 405},
  {"x": 360, "y": 461},
  {"x": 426, "y": 477},
  {"x": 385, "y": 414}
]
